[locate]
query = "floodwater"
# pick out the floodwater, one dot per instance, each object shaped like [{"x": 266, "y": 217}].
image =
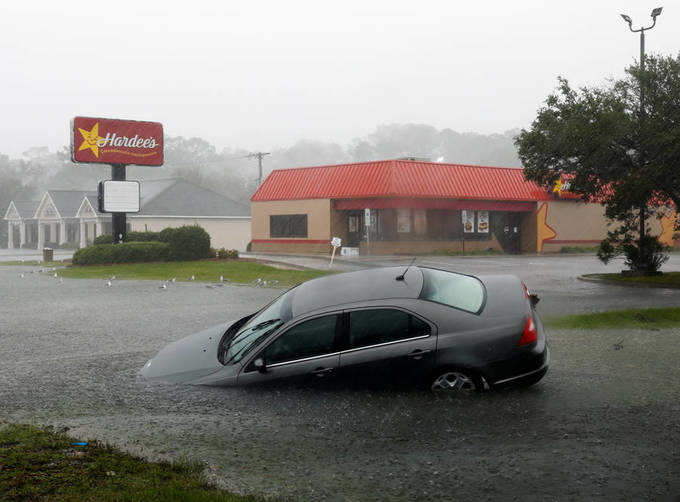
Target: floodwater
[{"x": 604, "y": 423}]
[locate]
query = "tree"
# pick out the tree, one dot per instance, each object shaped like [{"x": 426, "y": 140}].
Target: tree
[
  {"x": 11, "y": 185},
  {"x": 613, "y": 151}
]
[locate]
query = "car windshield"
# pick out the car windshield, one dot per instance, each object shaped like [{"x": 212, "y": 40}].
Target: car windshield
[
  {"x": 456, "y": 290},
  {"x": 253, "y": 332}
]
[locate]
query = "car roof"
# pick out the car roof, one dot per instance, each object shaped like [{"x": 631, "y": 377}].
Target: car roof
[{"x": 362, "y": 285}]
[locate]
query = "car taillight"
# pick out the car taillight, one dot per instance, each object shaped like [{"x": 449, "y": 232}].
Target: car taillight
[{"x": 530, "y": 333}]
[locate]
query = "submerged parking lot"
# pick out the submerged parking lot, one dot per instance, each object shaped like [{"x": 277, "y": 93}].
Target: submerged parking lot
[{"x": 605, "y": 422}]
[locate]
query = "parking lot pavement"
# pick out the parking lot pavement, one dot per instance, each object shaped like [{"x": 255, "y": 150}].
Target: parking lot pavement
[{"x": 603, "y": 424}]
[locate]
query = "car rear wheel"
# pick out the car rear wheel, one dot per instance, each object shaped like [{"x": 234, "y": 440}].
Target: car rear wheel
[{"x": 455, "y": 380}]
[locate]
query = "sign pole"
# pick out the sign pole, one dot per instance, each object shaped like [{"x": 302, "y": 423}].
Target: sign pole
[{"x": 118, "y": 220}]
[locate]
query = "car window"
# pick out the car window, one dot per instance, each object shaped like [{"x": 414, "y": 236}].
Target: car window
[
  {"x": 372, "y": 327},
  {"x": 456, "y": 290},
  {"x": 307, "y": 339}
]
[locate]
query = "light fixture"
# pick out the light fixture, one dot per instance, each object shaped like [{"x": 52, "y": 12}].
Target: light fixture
[
  {"x": 656, "y": 12},
  {"x": 627, "y": 19}
]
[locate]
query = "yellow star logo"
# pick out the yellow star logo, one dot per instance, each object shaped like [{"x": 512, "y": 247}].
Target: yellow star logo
[
  {"x": 90, "y": 139},
  {"x": 558, "y": 188},
  {"x": 544, "y": 231}
]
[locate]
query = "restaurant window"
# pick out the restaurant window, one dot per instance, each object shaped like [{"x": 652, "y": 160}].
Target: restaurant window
[
  {"x": 288, "y": 225},
  {"x": 420, "y": 221},
  {"x": 404, "y": 221}
]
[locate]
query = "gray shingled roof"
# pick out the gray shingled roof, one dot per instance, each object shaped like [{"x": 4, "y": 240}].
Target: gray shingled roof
[
  {"x": 178, "y": 197},
  {"x": 26, "y": 208},
  {"x": 164, "y": 197},
  {"x": 68, "y": 201}
]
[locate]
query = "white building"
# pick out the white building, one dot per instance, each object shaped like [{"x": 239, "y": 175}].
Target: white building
[{"x": 70, "y": 218}]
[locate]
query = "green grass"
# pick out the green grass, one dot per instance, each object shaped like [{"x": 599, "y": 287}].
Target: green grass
[
  {"x": 633, "y": 318},
  {"x": 667, "y": 278},
  {"x": 41, "y": 464},
  {"x": 34, "y": 263},
  {"x": 242, "y": 272}
]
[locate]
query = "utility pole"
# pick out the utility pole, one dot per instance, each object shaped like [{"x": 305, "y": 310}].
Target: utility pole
[
  {"x": 641, "y": 156},
  {"x": 258, "y": 156}
]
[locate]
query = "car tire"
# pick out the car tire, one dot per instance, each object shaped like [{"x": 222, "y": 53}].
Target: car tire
[{"x": 451, "y": 379}]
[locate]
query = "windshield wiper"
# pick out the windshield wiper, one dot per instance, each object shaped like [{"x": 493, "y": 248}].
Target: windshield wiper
[{"x": 263, "y": 324}]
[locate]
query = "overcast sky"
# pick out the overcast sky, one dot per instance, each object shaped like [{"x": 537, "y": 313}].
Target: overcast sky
[{"x": 260, "y": 75}]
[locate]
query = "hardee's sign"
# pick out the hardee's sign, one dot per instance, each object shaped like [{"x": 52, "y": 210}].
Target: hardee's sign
[{"x": 112, "y": 141}]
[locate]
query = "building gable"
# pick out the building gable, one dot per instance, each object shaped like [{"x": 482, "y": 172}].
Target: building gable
[
  {"x": 86, "y": 210},
  {"x": 47, "y": 210},
  {"x": 12, "y": 213}
]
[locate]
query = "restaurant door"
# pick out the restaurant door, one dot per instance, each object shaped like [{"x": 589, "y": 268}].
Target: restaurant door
[
  {"x": 355, "y": 228},
  {"x": 508, "y": 231}
]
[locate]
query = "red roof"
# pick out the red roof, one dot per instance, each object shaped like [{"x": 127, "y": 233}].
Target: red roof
[{"x": 399, "y": 178}]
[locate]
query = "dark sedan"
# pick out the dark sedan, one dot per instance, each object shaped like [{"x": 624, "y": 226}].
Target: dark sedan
[{"x": 446, "y": 330}]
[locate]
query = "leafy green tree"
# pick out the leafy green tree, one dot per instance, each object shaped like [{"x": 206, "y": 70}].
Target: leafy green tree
[{"x": 614, "y": 151}]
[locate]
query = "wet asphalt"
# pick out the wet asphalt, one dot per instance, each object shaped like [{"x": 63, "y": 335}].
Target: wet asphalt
[{"x": 603, "y": 424}]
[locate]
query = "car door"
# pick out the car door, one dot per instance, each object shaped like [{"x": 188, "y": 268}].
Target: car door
[
  {"x": 305, "y": 352},
  {"x": 387, "y": 345}
]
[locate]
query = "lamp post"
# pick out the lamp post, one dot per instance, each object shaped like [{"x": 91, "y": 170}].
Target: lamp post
[{"x": 655, "y": 13}]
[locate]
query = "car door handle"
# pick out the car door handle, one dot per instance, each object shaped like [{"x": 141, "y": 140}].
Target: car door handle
[
  {"x": 418, "y": 354},
  {"x": 322, "y": 371}
]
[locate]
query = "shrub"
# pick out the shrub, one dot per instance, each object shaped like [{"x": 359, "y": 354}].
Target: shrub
[
  {"x": 647, "y": 262},
  {"x": 127, "y": 252},
  {"x": 224, "y": 254},
  {"x": 129, "y": 237},
  {"x": 187, "y": 242}
]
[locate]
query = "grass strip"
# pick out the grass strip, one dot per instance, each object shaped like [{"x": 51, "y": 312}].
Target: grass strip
[
  {"x": 33, "y": 263},
  {"x": 667, "y": 278},
  {"x": 241, "y": 272},
  {"x": 612, "y": 319},
  {"x": 41, "y": 464}
]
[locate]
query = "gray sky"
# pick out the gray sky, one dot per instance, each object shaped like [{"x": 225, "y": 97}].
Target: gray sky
[{"x": 265, "y": 74}]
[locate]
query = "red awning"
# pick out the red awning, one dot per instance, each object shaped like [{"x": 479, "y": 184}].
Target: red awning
[{"x": 395, "y": 203}]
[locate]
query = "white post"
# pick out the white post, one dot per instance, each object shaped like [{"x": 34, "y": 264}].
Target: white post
[
  {"x": 83, "y": 242},
  {"x": 41, "y": 236},
  {"x": 98, "y": 228},
  {"x": 62, "y": 233},
  {"x": 22, "y": 234},
  {"x": 10, "y": 235},
  {"x": 53, "y": 232}
]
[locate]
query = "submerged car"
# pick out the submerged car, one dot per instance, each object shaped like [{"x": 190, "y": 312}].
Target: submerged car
[{"x": 422, "y": 326}]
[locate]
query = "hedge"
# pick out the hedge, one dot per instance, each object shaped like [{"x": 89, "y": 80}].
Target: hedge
[
  {"x": 129, "y": 237},
  {"x": 127, "y": 252},
  {"x": 189, "y": 242}
]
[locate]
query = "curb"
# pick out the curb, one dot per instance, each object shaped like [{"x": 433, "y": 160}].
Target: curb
[{"x": 628, "y": 284}]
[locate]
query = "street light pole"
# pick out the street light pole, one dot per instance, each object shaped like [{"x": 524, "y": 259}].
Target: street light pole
[{"x": 655, "y": 13}]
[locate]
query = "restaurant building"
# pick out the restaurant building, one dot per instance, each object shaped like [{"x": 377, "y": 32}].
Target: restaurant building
[{"x": 406, "y": 206}]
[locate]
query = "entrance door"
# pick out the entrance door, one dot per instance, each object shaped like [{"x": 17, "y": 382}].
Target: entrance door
[
  {"x": 508, "y": 231},
  {"x": 355, "y": 228}
]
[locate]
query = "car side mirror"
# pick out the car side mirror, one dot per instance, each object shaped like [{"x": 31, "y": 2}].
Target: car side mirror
[
  {"x": 534, "y": 299},
  {"x": 260, "y": 365}
]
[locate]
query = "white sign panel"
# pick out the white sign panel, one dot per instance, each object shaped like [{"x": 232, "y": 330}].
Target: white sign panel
[
  {"x": 468, "y": 221},
  {"x": 121, "y": 197},
  {"x": 367, "y": 217},
  {"x": 336, "y": 242}
]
